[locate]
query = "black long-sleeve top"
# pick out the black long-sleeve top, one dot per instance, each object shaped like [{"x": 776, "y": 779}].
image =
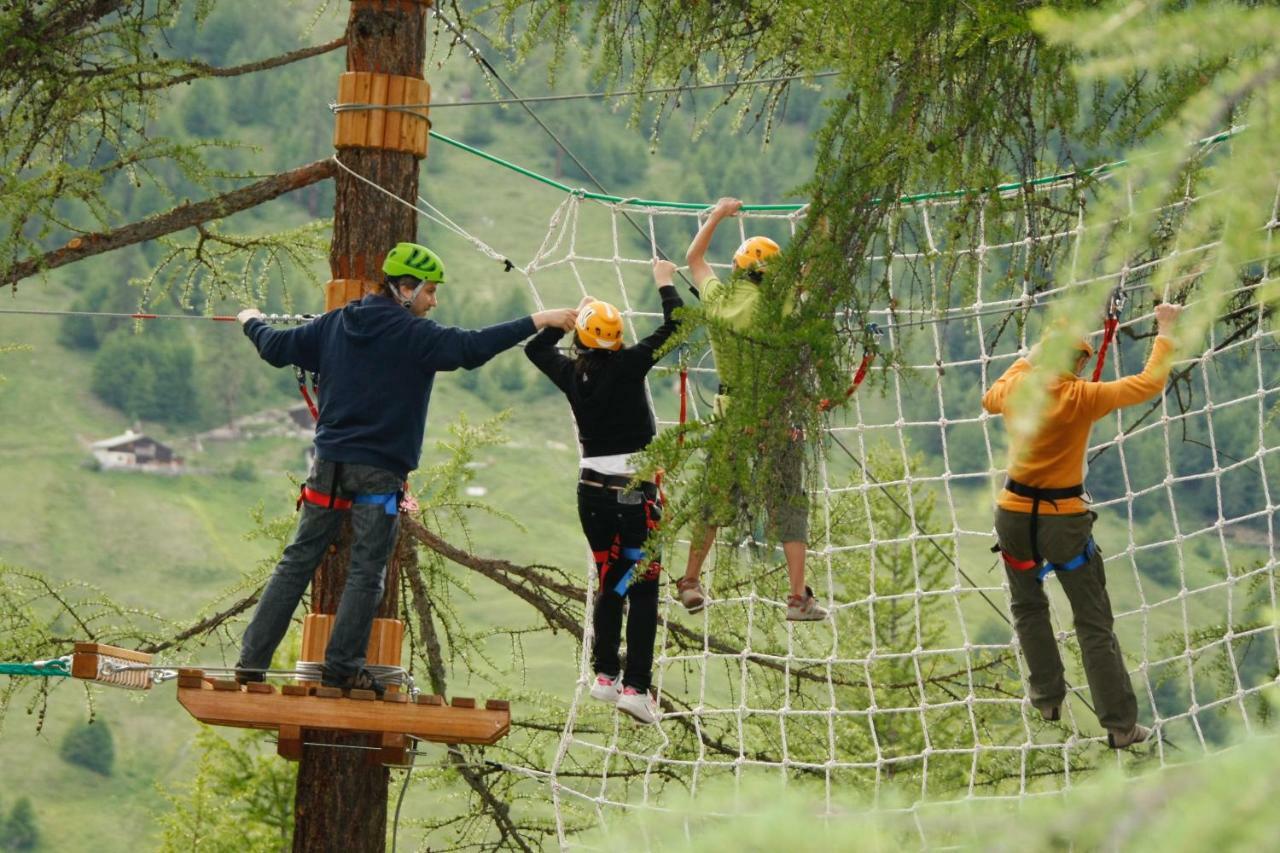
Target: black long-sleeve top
[{"x": 607, "y": 396}]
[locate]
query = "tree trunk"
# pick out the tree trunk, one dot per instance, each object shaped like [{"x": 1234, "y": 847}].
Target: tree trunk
[{"x": 341, "y": 802}]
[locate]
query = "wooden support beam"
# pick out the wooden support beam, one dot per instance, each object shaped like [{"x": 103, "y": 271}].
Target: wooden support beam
[
  {"x": 94, "y": 662},
  {"x": 289, "y": 743},
  {"x": 393, "y": 750}
]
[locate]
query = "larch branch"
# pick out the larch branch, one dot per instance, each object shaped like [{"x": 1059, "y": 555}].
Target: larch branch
[
  {"x": 185, "y": 215},
  {"x": 201, "y": 70}
]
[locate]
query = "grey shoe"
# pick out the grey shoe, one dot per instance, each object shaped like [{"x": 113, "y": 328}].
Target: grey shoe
[
  {"x": 1051, "y": 713},
  {"x": 249, "y": 676},
  {"x": 804, "y": 608},
  {"x": 1119, "y": 739},
  {"x": 362, "y": 680},
  {"x": 691, "y": 594}
]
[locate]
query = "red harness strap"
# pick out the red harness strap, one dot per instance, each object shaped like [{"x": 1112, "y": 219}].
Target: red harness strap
[
  {"x": 1109, "y": 332},
  {"x": 861, "y": 374},
  {"x": 1115, "y": 304},
  {"x": 315, "y": 498},
  {"x": 302, "y": 386},
  {"x": 684, "y": 404},
  {"x": 1018, "y": 565}
]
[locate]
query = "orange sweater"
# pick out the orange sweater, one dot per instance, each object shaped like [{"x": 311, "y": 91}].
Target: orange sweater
[{"x": 1053, "y": 457}]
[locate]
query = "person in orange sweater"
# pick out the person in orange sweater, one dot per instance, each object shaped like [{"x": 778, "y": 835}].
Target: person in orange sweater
[{"x": 1044, "y": 525}]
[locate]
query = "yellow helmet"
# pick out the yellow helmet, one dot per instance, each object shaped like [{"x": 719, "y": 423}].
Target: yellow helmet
[
  {"x": 600, "y": 326},
  {"x": 753, "y": 252}
]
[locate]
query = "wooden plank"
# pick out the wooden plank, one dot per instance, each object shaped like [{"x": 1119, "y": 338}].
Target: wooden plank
[
  {"x": 389, "y": 127},
  {"x": 360, "y": 118},
  {"x": 295, "y": 690},
  {"x": 430, "y": 699},
  {"x": 407, "y": 131},
  {"x": 437, "y": 723},
  {"x": 87, "y": 658},
  {"x": 289, "y": 743},
  {"x": 84, "y": 665},
  {"x": 378, "y": 119},
  {"x": 463, "y": 702},
  {"x": 113, "y": 651},
  {"x": 422, "y": 125},
  {"x": 317, "y": 626},
  {"x": 188, "y": 681},
  {"x": 497, "y": 705},
  {"x": 329, "y": 692},
  {"x": 385, "y": 642},
  {"x": 227, "y": 684},
  {"x": 259, "y": 687},
  {"x": 399, "y": 698},
  {"x": 392, "y": 750},
  {"x": 363, "y": 695},
  {"x": 342, "y": 121},
  {"x": 190, "y": 673}
]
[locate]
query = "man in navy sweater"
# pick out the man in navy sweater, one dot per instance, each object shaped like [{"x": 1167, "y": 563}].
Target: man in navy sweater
[{"x": 378, "y": 358}]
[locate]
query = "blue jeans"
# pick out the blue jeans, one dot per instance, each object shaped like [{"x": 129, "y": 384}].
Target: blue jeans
[{"x": 375, "y": 536}]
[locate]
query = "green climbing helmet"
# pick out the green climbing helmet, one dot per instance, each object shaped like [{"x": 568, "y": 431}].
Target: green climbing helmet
[{"x": 415, "y": 260}]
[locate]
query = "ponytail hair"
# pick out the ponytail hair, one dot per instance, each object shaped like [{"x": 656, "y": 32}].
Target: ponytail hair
[{"x": 588, "y": 359}]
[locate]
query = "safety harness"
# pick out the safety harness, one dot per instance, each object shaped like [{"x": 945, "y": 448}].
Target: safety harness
[
  {"x": 647, "y": 494},
  {"x": 1037, "y": 563},
  {"x": 390, "y": 501},
  {"x": 1115, "y": 305}
]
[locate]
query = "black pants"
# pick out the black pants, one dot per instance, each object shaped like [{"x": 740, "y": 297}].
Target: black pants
[{"x": 616, "y": 532}]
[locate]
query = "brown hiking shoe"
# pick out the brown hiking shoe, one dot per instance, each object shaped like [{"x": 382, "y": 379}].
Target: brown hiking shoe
[
  {"x": 691, "y": 595},
  {"x": 804, "y": 608},
  {"x": 1119, "y": 739}
]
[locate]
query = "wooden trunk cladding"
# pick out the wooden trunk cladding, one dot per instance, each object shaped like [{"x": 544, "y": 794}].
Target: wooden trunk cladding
[
  {"x": 340, "y": 291},
  {"x": 385, "y": 639},
  {"x": 401, "y": 127}
]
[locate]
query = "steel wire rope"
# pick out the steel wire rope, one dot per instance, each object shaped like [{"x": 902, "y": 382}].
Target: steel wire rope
[
  {"x": 585, "y": 96},
  {"x": 488, "y": 68}
]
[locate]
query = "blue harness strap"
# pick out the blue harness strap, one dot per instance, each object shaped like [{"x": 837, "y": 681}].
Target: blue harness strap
[
  {"x": 390, "y": 502},
  {"x": 636, "y": 556},
  {"x": 1071, "y": 565}
]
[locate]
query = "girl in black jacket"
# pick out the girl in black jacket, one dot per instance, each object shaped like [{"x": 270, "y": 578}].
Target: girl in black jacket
[{"x": 605, "y": 388}]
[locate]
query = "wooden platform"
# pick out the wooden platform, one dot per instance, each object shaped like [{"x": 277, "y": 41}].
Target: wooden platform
[{"x": 222, "y": 702}]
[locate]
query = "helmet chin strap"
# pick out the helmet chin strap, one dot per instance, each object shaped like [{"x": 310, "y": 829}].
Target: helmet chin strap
[{"x": 408, "y": 301}]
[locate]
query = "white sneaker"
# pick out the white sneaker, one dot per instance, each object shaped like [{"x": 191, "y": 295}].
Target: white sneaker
[
  {"x": 640, "y": 706},
  {"x": 606, "y": 688}
]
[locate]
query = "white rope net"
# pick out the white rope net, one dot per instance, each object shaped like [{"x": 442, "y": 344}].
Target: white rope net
[{"x": 916, "y": 683}]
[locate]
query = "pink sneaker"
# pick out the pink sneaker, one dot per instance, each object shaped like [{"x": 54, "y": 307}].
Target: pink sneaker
[
  {"x": 606, "y": 688},
  {"x": 640, "y": 706}
]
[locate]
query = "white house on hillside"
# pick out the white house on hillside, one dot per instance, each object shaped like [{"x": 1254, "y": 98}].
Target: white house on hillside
[{"x": 136, "y": 451}]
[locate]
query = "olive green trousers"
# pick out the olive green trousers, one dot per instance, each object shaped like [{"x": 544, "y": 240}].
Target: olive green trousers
[{"x": 1061, "y": 538}]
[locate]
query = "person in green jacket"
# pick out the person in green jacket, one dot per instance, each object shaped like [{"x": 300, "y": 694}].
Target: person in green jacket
[{"x": 732, "y": 305}]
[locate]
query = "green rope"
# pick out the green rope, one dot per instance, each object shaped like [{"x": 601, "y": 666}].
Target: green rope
[
  {"x": 57, "y": 668},
  {"x": 1012, "y": 186}
]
